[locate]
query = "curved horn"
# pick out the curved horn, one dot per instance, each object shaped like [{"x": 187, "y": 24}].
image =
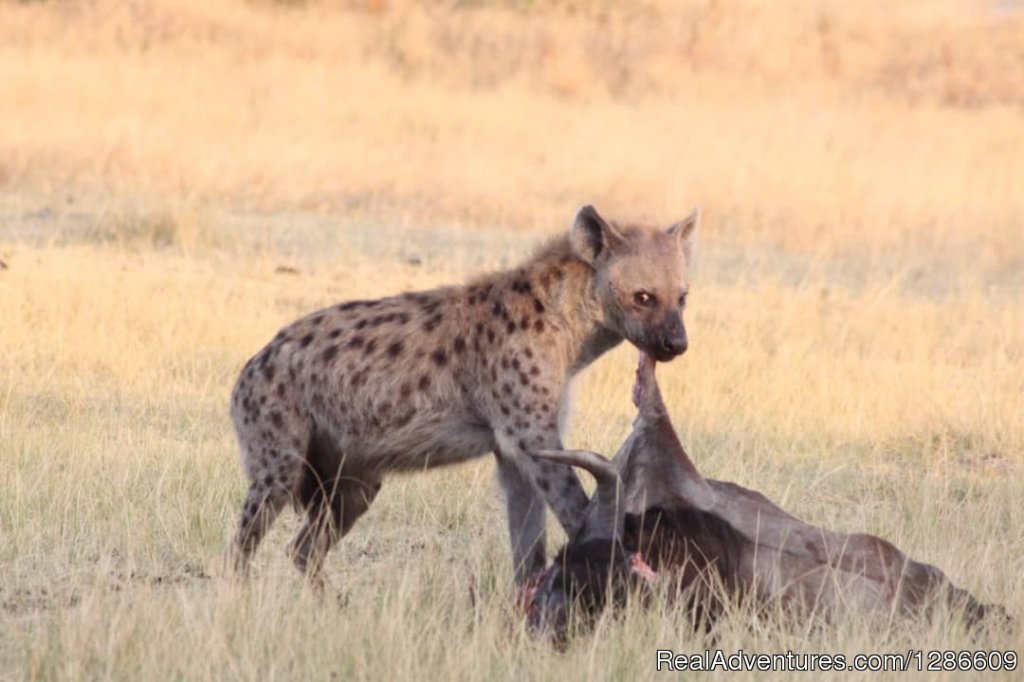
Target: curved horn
[
  {"x": 591, "y": 462},
  {"x": 607, "y": 516}
]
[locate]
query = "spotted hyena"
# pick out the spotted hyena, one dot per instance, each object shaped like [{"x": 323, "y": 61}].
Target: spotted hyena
[{"x": 346, "y": 395}]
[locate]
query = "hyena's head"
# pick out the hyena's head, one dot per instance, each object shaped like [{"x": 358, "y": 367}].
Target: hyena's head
[{"x": 641, "y": 276}]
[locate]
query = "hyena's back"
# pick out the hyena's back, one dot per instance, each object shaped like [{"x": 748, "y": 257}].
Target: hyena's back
[{"x": 347, "y": 393}]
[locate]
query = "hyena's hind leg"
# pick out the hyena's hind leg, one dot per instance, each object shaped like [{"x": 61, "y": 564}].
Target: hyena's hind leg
[
  {"x": 273, "y": 446},
  {"x": 262, "y": 505},
  {"x": 331, "y": 512},
  {"x": 334, "y": 496}
]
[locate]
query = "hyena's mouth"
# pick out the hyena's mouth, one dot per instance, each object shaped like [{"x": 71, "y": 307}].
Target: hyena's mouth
[
  {"x": 659, "y": 352},
  {"x": 664, "y": 355}
]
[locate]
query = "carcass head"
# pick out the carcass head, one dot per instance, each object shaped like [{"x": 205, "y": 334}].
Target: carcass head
[{"x": 596, "y": 568}]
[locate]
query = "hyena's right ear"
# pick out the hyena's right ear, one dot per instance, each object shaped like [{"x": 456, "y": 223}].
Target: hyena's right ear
[
  {"x": 686, "y": 231},
  {"x": 592, "y": 235}
]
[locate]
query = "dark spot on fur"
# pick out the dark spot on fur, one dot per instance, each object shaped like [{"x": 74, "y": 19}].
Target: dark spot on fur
[
  {"x": 534, "y": 371},
  {"x": 439, "y": 357},
  {"x": 498, "y": 309},
  {"x": 523, "y": 379},
  {"x": 505, "y": 411},
  {"x": 557, "y": 274},
  {"x": 459, "y": 344},
  {"x": 402, "y": 318},
  {"x": 510, "y": 327},
  {"x": 431, "y": 324},
  {"x": 522, "y": 444},
  {"x": 525, "y": 323},
  {"x": 490, "y": 335},
  {"x": 544, "y": 485},
  {"x": 538, "y": 307},
  {"x": 472, "y": 299},
  {"x": 335, "y": 333},
  {"x": 268, "y": 372},
  {"x": 361, "y": 324},
  {"x": 330, "y": 352},
  {"x": 395, "y": 349},
  {"x": 276, "y": 419},
  {"x": 515, "y": 363},
  {"x": 371, "y": 345},
  {"x": 506, "y": 388},
  {"x": 356, "y": 304},
  {"x": 358, "y": 378},
  {"x": 424, "y": 383},
  {"x": 508, "y": 430},
  {"x": 405, "y": 390},
  {"x": 357, "y": 341},
  {"x": 306, "y": 340},
  {"x": 538, "y": 325},
  {"x": 316, "y": 320}
]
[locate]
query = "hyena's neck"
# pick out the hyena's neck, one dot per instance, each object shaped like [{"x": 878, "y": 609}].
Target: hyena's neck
[{"x": 561, "y": 289}]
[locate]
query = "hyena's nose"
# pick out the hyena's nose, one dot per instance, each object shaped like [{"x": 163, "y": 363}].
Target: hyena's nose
[{"x": 675, "y": 344}]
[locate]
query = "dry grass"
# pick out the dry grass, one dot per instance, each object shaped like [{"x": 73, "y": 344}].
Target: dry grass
[{"x": 179, "y": 179}]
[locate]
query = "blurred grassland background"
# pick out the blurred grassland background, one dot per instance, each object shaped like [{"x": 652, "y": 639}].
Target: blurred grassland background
[{"x": 178, "y": 179}]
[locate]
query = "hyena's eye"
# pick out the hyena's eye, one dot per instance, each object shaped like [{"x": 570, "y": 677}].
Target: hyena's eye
[
  {"x": 644, "y": 298},
  {"x": 682, "y": 299}
]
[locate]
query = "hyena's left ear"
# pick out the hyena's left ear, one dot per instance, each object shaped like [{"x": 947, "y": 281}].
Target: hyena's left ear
[{"x": 686, "y": 231}]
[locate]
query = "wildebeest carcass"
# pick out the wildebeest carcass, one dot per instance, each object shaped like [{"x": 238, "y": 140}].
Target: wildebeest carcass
[{"x": 653, "y": 516}]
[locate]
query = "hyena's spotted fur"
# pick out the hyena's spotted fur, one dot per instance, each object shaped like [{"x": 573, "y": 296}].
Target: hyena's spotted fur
[{"x": 342, "y": 397}]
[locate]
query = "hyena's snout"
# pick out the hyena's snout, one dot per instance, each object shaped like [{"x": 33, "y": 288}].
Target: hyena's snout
[{"x": 671, "y": 340}]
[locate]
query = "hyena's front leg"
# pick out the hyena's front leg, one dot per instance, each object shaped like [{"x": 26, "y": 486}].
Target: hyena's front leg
[
  {"x": 528, "y": 483},
  {"x": 525, "y": 513}
]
